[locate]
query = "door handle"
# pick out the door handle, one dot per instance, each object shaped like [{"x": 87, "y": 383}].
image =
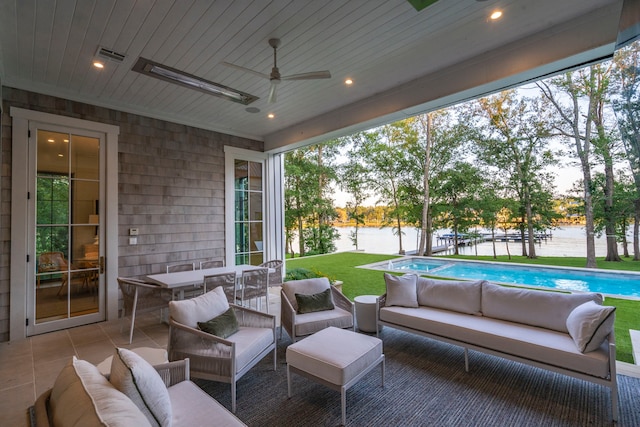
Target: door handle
[{"x": 101, "y": 264}]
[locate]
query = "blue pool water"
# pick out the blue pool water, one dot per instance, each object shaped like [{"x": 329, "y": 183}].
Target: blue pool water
[{"x": 611, "y": 283}]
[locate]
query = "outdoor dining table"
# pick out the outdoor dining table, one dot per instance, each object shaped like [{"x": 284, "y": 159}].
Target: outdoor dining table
[{"x": 182, "y": 280}]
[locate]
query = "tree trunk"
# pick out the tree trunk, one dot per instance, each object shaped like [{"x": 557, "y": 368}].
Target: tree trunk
[
  {"x": 532, "y": 240},
  {"x": 523, "y": 242},
  {"x": 429, "y": 242},
  {"x": 493, "y": 242},
  {"x": 426, "y": 201},
  {"x": 636, "y": 232}
]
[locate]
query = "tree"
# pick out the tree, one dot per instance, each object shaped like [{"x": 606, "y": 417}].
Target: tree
[
  {"x": 459, "y": 187},
  {"x": 577, "y": 125},
  {"x": 355, "y": 182},
  {"x": 512, "y": 137},
  {"x": 625, "y": 99}
]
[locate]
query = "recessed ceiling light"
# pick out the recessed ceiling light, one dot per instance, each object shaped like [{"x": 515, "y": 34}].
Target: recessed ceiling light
[
  {"x": 271, "y": 115},
  {"x": 50, "y": 140},
  {"x": 496, "y": 15},
  {"x": 252, "y": 110},
  {"x": 98, "y": 64},
  {"x": 348, "y": 82},
  {"x": 60, "y": 155}
]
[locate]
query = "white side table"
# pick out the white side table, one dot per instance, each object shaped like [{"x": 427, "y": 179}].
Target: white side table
[{"x": 366, "y": 312}]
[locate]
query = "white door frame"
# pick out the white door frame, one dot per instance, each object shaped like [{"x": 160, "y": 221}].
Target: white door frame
[{"x": 20, "y": 220}]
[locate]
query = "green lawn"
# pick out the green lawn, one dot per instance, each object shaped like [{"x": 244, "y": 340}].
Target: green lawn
[{"x": 359, "y": 281}]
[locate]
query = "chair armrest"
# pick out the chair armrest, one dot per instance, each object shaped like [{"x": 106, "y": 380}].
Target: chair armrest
[
  {"x": 173, "y": 372},
  {"x": 287, "y": 314},
  {"x": 253, "y": 318},
  {"x": 186, "y": 340},
  {"x": 342, "y": 301}
]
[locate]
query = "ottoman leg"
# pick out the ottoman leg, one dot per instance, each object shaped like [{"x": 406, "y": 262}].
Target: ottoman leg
[{"x": 343, "y": 392}]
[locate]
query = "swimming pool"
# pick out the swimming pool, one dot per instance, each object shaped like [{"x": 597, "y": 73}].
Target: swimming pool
[{"x": 567, "y": 279}]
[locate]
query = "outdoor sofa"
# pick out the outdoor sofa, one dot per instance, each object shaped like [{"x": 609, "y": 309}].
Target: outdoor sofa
[
  {"x": 568, "y": 333},
  {"x": 133, "y": 394}
]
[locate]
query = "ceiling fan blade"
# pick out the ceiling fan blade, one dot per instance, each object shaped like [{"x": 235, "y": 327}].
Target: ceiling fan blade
[
  {"x": 272, "y": 93},
  {"x": 247, "y": 70},
  {"x": 309, "y": 76}
]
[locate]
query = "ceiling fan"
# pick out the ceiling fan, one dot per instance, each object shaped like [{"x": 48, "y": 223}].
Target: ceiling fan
[{"x": 275, "y": 76}]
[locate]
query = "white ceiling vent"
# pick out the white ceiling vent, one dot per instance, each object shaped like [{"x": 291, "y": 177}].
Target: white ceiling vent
[{"x": 109, "y": 55}]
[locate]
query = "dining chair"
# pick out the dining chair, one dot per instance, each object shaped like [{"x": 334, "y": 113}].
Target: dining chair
[
  {"x": 275, "y": 277},
  {"x": 214, "y": 263},
  {"x": 140, "y": 297},
  {"x": 255, "y": 285},
  {"x": 174, "y": 268},
  {"x": 225, "y": 280}
]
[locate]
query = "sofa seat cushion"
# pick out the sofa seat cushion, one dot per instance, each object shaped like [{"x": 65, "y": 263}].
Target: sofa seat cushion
[
  {"x": 310, "y": 323},
  {"x": 82, "y": 396},
  {"x": 250, "y": 342},
  {"x": 532, "y": 307},
  {"x": 529, "y": 342},
  {"x": 193, "y": 407}
]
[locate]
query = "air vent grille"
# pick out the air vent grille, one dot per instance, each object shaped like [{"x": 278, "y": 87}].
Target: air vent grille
[{"x": 110, "y": 55}]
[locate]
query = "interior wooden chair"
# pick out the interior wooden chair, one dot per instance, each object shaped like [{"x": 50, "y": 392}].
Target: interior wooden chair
[
  {"x": 140, "y": 297},
  {"x": 275, "y": 277},
  {"x": 214, "y": 263},
  {"x": 227, "y": 281},
  {"x": 255, "y": 285}
]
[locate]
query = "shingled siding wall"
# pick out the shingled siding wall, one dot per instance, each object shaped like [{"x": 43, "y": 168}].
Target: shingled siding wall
[{"x": 170, "y": 187}]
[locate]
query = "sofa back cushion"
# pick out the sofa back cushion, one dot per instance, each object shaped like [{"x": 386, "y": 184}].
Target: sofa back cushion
[
  {"x": 401, "y": 290},
  {"x": 136, "y": 378},
  {"x": 305, "y": 287},
  {"x": 82, "y": 396},
  {"x": 199, "y": 309},
  {"x": 454, "y": 295},
  {"x": 532, "y": 307}
]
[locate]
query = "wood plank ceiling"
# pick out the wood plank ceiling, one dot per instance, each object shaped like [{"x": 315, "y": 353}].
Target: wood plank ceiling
[{"x": 48, "y": 46}]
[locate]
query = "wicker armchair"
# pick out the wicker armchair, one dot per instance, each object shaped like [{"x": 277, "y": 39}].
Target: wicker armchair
[
  {"x": 141, "y": 297},
  {"x": 275, "y": 277},
  {"x": 301, "y": 325},
  {"x": 212, "y": 357}
]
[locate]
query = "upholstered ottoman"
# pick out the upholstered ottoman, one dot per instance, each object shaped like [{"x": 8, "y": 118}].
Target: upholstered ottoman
[{"x": 335, "y": 357}]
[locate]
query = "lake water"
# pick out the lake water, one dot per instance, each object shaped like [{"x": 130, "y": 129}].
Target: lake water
[{"x": 566, "y": 241}]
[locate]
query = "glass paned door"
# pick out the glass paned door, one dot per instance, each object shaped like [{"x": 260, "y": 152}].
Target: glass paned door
[
  {"x": 249, "y": 237},
  {"x": 66, "y": 287}
]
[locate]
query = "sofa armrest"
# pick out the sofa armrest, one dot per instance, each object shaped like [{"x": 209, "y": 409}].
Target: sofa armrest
[
  {"x": 39, "y": 413},
  {"x": 173, "y": 372}
]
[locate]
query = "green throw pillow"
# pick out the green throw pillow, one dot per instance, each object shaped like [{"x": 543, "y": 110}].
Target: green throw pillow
[
  {"x": 222, "y": 326},
  {"x": 315, "y": 302}
]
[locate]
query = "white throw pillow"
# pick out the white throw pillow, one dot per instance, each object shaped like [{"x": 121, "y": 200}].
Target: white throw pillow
[
  {"x": 136, "y": 378},
  {"x": 199, "y": 309},
  {"x": 401, "y": 290},
  {"x": 589, "y": 324}
]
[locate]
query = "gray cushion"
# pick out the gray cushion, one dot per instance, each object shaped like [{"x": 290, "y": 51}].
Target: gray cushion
[
  {"x": 532, "y": 307},
  {"x": 461, "y": 296},
  {"x": 316, "y": 302},
  {"x": 222, "y": 326},
  {"x": 401, "y": 290},
  {"x": 305, "y": 287},
  {"x": 589, "y": 324}
]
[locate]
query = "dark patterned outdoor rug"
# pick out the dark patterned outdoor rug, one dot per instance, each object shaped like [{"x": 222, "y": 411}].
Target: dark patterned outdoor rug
[{"x": 426, "y": 385}]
